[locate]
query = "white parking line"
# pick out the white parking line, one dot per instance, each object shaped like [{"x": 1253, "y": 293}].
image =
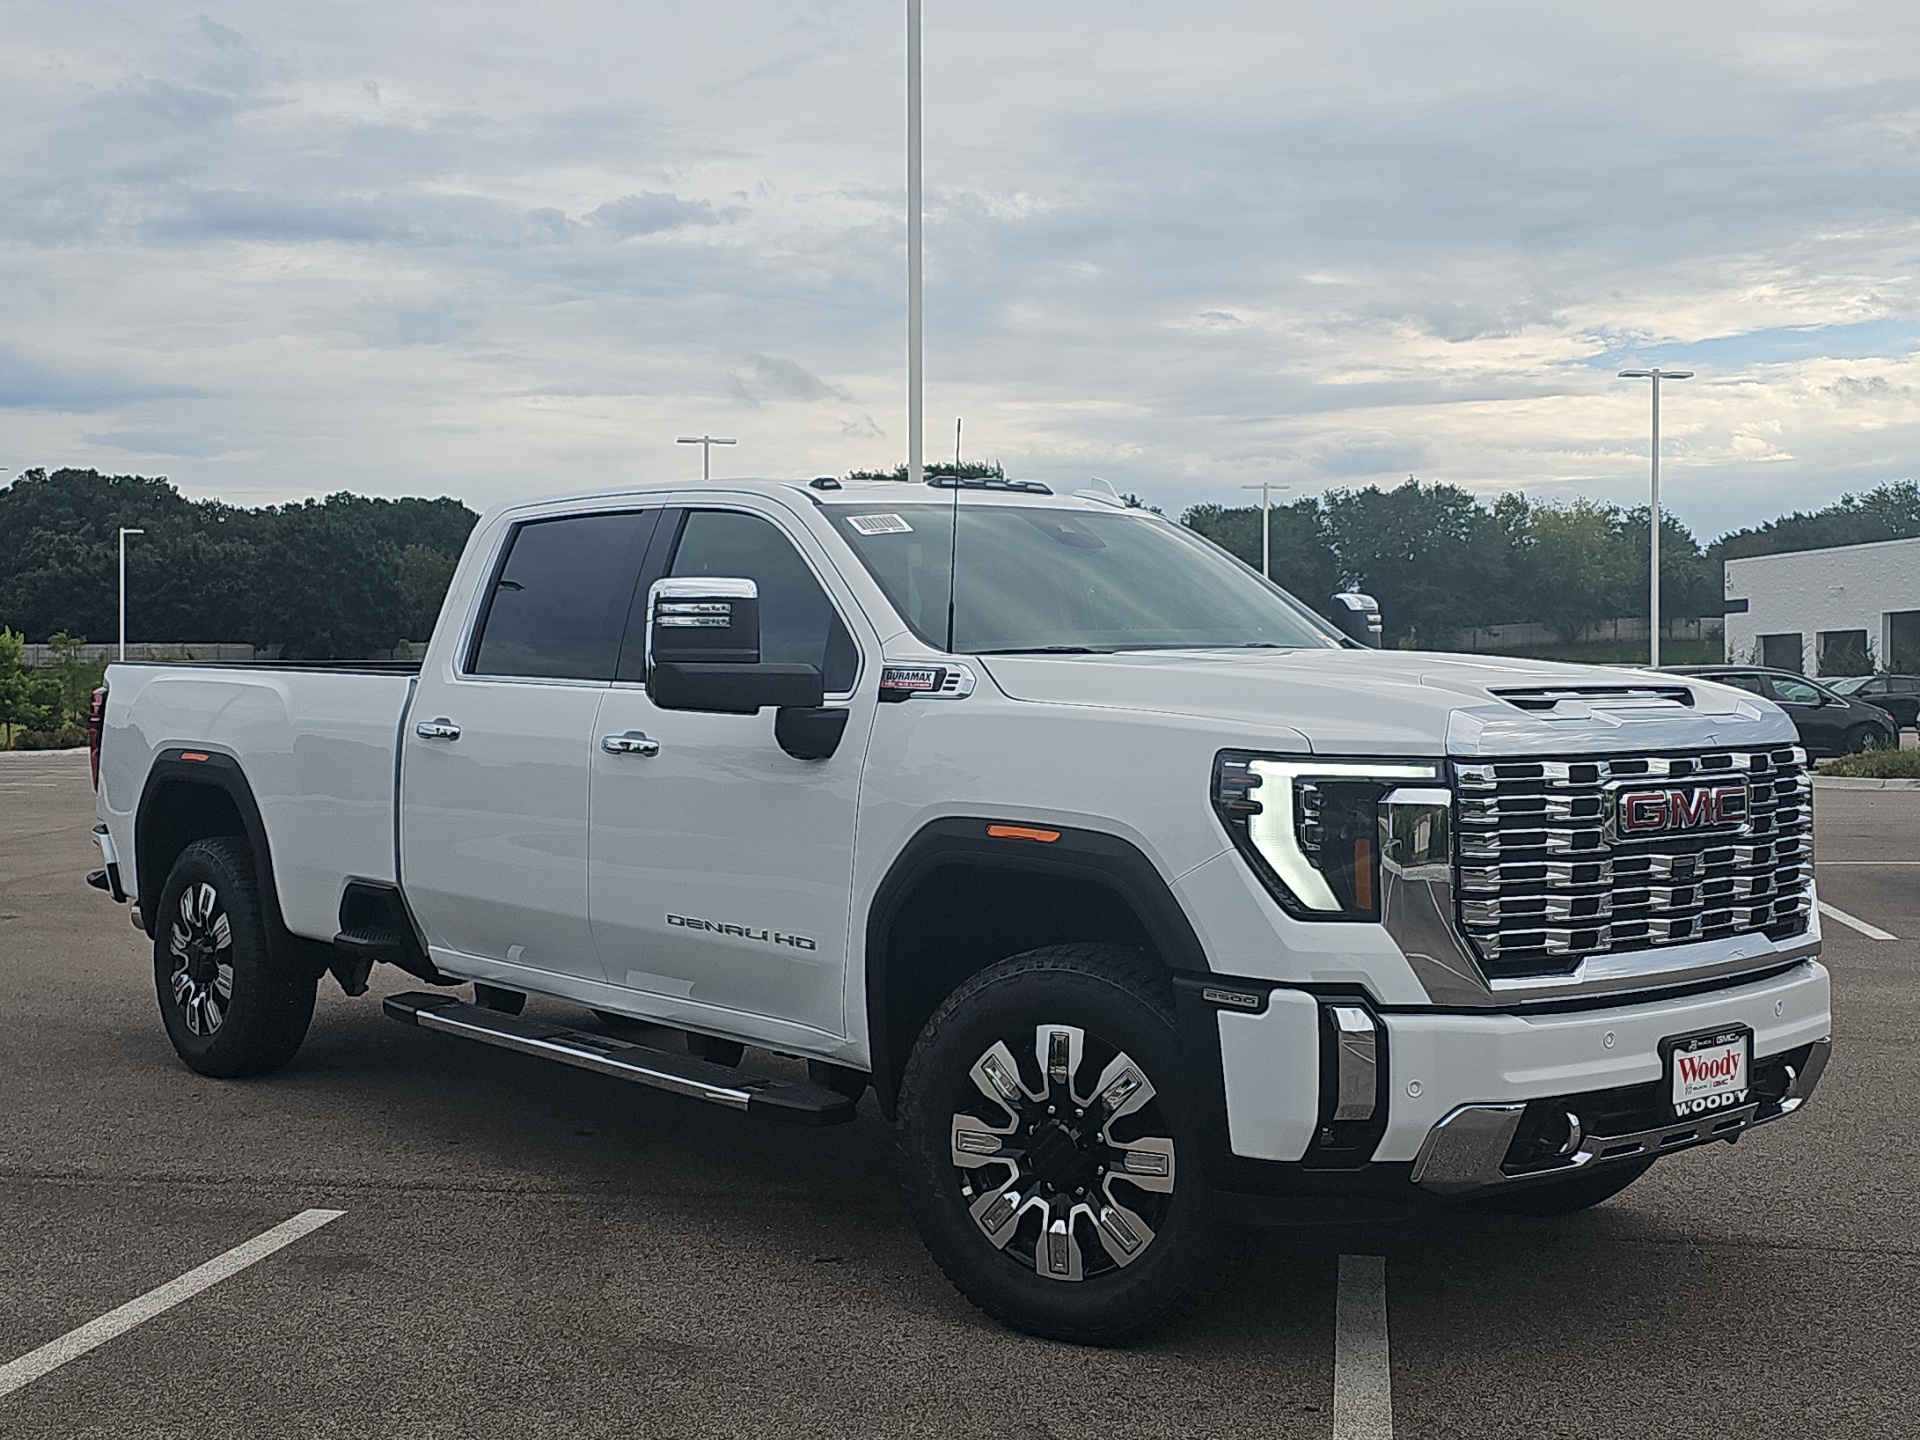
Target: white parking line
[
  {"x": 1872, "y": 932},
  {"x": 1362, "y": 1377},
  {"x": 95, "y": 1333}
]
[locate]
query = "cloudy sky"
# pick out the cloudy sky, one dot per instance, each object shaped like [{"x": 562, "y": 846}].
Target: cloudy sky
[{"x": 277, "y": 249}]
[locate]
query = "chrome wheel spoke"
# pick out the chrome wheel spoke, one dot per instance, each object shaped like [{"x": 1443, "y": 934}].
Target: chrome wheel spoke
[
  {"x": 1059, "y": 1049},
  {"x": 182, "y": 986},
  {"x": 1123, "y": 1088},
  {"x": 222, "y": 932},
  {"x": 210, "y": 1007},
  {"x": 997, "y": 1076},
  {"x": 1146, "y": 1162},
  {"x": 1123, "y": 1234},
  {"x": 1059, "y": 1257},
  {"x": 223, "y": 983},
  {"x": 997, "y": 1213},
  {"x": 976, "y": 1143}
]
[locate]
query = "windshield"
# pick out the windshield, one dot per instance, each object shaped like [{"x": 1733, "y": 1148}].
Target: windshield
[
  {"x": 1035, "y": 578},
  {"x": 1849, "y": 685}
]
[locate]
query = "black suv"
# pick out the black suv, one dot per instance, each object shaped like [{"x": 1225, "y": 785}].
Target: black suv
[
  {"x": 1898, "y": 695},
  {"x": 1829, "y": 723}
]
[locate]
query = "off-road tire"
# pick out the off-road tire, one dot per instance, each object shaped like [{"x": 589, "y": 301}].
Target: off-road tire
[
  {"x": 1564, "y": 1197},
  {"x": 267, "y": 1007},
  {"x": 1124, "y": 1001}
]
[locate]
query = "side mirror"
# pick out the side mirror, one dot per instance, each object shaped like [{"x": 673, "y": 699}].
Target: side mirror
[
  {"x": 703, "y": 651},
  {"x": 1358, "y": 617},
  {"x": 703, "y": 654}
]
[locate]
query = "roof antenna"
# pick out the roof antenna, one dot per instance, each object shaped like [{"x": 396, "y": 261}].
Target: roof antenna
[{"x": 953, "y": 540}]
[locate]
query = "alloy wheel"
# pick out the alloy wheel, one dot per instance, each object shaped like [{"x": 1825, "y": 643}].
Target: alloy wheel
[
  {"x": 201, "y": 949},
  {"x": 1064, "y": 1160}
]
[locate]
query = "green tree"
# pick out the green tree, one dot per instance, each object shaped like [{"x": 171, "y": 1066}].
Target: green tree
[
  {"x": 1303, "y": 561},
  {"x": 74, "y": 677}
]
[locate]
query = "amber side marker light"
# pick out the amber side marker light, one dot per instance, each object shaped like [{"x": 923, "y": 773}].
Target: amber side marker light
[
  {"x": 195, "y": 755},
  {"x": 1022, "y": 832}
]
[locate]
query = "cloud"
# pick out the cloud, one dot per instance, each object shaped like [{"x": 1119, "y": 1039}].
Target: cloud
[
  {"x": 649, "y": 214},
  {"x": 1179, "y": 248}
]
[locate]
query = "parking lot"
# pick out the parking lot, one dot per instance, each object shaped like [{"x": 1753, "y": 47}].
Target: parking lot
[{"x": 526, "y": 1250}]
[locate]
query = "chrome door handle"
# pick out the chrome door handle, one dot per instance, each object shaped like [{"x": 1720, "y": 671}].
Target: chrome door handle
[
  {"x": 631, "y": 743},
  {"x": 441, "y": 729}
]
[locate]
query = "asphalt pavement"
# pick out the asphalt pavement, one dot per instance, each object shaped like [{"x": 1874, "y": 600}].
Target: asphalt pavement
[{"x": 531, "y": 1251}]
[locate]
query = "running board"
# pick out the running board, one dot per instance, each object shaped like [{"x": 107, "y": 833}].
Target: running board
[{"x": 796, "y": 1102}]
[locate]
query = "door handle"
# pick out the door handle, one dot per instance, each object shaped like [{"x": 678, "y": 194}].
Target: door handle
[
  {"x": 441, "y": 729},
  {"x": 631, "y": 743}
]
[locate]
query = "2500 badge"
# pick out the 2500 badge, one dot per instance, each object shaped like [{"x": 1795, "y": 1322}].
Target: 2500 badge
[{"x": 745, "y": 932}]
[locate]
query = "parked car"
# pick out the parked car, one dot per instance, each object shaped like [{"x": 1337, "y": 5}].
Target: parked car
[
  {"x": 1898, "y": 695},
  {"x": 1829, "y": 722},
  {"x": 1136, "y": 893}
]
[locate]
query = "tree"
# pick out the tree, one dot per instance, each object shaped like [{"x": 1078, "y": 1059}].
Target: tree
[
  {"x": 967, "y": 470},
  {"x": 1303, "y": 562}
]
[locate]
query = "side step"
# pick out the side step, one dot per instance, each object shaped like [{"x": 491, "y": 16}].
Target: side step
[{"x": 796, "y": 1102}]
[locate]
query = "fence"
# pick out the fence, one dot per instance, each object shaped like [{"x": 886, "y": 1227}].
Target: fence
[
  {"x": 176, "y": 650},
  {"x": 1533, "y": 636}
]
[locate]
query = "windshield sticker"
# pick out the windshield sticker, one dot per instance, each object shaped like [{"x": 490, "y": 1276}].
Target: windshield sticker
[{"x": 879, "y": 524}]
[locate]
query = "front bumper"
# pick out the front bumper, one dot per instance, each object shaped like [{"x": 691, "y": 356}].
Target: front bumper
[{"x": 1476, "y": 1149}]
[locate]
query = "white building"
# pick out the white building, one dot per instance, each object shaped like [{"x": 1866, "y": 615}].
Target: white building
[{"x": 1838, "y": 611}]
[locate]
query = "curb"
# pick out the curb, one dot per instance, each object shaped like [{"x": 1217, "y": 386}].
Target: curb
[{"x": 1854, "y": 782}]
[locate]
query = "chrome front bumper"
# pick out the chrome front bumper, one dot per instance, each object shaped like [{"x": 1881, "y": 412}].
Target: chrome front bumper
[{"x": 1465, "y": 1152}]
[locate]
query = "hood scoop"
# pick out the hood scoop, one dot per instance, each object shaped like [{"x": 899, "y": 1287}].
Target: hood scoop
[{"x": 1547, "y": 698}]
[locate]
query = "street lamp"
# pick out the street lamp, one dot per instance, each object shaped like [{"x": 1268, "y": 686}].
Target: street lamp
[
  {"x": 706, "y": 444},
  {"x": 1656, "y": 375},
  {"x": 124, "y": 532},
  {"x": 1266, "y": 523},
  {"x": 916, "y": 332}
]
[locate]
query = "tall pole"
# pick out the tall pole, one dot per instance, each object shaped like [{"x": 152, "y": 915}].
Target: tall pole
[
  {"x": 706, "y": 444},
  {"x": 916, "y": 333},
  {"x": 1656, "y": 375},
  {"x": 1266, "y": 489},
  {"x": 124, "y": 532}
]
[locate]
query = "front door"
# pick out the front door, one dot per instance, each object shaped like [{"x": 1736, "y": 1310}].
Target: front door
[
  {"x": 721, "y": 867},
  {"x": 1817, "y": 722},
  {"x": 495, "y": 760}
]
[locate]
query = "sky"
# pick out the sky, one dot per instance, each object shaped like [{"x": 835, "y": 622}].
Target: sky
[{"x": 275, "y": 250}]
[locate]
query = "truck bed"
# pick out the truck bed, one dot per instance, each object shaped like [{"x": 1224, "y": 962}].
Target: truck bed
[{"x": 317, "y": 743}]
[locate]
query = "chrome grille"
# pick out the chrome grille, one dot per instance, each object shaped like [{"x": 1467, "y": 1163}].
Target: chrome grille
[{"x": 1545, "y": 877}]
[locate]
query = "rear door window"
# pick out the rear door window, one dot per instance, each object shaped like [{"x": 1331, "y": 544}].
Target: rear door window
[{"x": 559, "y": 603}]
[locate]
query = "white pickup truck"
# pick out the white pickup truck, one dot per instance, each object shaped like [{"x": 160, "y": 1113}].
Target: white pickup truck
[{"x": 1135, "y": 893}]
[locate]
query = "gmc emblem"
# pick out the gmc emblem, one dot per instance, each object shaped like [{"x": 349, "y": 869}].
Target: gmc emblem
[{"x": 1650, "y": 812}]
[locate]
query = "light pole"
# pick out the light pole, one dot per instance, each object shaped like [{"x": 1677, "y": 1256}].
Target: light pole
[
  {"x": 706, "y": 444},
  {"x": 916, "y": 333},
  {"x": 1656, "y": 375},
  {"x": 1266, "y": 523},
  {"x": 124, "y": 532}
]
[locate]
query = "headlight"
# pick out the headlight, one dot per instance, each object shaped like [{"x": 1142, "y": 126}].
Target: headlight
[{"x": 1311, "y": 827}]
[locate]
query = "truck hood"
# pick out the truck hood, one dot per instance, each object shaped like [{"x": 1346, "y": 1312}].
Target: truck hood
[{"x": 1398, "y": 702}]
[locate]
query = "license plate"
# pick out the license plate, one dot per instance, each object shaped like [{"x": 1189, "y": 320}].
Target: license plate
[{"x": 1709, "y": 1072}]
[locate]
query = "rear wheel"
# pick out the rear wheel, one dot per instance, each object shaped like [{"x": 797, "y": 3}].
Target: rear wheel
[
  {"x": 1050, "y": 1147},
  {"x": 1564, "y": 1197},
  {"x": 1864, "y": 737},
  {"x": 228, "y": 1008}
]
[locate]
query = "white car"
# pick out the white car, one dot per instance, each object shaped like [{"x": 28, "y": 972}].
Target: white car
[{"x": 1136, "y": 894}]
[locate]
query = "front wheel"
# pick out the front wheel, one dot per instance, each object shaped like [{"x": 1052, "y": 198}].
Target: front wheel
[
  {"x": 228, "y": 1008},
  {"x": 1051, "y": 1152}
]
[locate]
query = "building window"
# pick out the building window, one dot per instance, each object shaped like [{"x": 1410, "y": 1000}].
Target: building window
[
  {"x": 1782, "y": 652},
  {"x": 1903, "y": 642},
  {"x": 1843, "y": 652}
]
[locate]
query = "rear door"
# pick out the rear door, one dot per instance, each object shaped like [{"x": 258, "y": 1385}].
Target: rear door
[
  {"x": 495, "y": 760},
  {"x": 722, "y": 866},
  {"x": 1818, "y": 723}
]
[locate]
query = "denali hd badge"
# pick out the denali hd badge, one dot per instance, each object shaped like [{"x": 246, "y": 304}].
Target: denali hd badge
[
  {"x": 1637, "y": 813},
  {"x": 744, "y": 932}
]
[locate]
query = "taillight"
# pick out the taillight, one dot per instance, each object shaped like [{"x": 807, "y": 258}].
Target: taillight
[{"x": 96, "y": 724}]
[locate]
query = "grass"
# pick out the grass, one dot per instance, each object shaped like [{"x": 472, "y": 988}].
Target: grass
[{"x": 1876, "y": 765}]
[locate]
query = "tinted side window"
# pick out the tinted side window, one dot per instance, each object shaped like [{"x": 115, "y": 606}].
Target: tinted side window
[
  {"x": 560, "y": 602},
  {"x": 798, "y": 624},
  {"x": 1744, "y": 682},
  {"x": 1793, "y": 692}
]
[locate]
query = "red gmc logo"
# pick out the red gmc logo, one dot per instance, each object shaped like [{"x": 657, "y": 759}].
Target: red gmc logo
[{"x": 1648, "y": 812}]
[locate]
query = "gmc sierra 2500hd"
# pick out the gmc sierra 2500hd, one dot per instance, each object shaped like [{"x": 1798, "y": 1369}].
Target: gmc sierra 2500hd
[{"x": 1132, "y": 889}]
